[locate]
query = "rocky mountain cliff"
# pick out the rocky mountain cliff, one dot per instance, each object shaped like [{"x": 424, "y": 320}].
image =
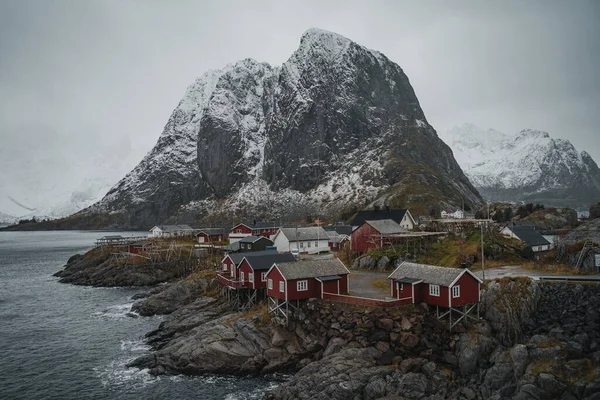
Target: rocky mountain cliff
[
  {"x": 336, "y": 126},
  {"x": 530, "y": 166}
]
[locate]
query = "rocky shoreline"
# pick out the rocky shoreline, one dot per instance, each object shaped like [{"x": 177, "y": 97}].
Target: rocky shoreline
[{"x": 537, "y": 341}]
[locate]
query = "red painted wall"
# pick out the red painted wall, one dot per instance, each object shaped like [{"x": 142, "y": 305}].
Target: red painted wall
[
  {"x": 275, "y": 275},
  {"x": 244, "y": 267},
  {"x": 361, "y": 239},
  {"x": 344, "y": 284},
  {"x": 469, "y": 291},
  {"x": 314, "y": 289},
  {"x": 423, "y": 289},
  {"x": 405, "y": 292},
  {"x": 229, "y": 264},
  {"x": 330, "y": 287},
  {"x": 243, "y": 227},
  {"x": 209, "y": 238}
]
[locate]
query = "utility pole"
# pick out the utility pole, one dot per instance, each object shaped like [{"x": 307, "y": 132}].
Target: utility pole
[{"x": 482, "y": 259}]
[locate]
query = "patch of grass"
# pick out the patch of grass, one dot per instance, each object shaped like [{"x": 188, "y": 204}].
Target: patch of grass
[
  {"x": 204, "y": 274},
  {"x": 382, "y": 283}
]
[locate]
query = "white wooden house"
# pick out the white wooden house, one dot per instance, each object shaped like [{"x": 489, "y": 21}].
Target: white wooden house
[{"x": 312, "y": 239}]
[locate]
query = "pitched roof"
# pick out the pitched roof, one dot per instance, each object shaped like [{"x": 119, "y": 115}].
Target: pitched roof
[
  {"x": 386, "y": 226},
  {"x": 312, "y": 269},
  {"x": 235, "y": 246},
  {"x": 266, "y": 261},
  {"x": 252, "y": 239},
  {"x": 258, "y": 225},
  {"x": 433, "y": 274},
  {"x": 529, "y": 236},
  {"x": 304, "y": 233},
  {"x": 212, "y": 231},
  {"x": 112, "y": 237},
  {"x": 339, "y": 229},
  {"x": 374, "y": 215},
  {"x": 238, "y": 257}
]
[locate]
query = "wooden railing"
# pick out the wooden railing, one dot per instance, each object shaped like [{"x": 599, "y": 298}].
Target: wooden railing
[
  {"x": 363, "y": 301},
  {"x": 223, "y": 281}
]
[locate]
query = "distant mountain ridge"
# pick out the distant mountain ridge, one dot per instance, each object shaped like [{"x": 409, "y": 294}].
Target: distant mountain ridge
[
  {"x": 530, "y": 166},
  {"x": 336, "y": 126}
]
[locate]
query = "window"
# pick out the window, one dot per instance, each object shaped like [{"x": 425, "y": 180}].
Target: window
[
  {"x": 455, "y": 291},
  {"x": 251, "y": 277},
  {"x": 302, "y": 285},
  {"x": 263, "y": 276},
  {"x": 301, "y": 244},
  {"x": 282, "y": 286},
  {"x": 242, "y": 276},
  {"x": 270, "y": 284},
  {"x": 316, "y": 244},
  {"x": 308, "y": 244},
  {"x": 224, "y": 267},
  {"x": 249, "y": 247},
  {"x": 401, "y": 286},
  {"x": 434, "y": 290},
  {"x": 238, "y": 231}
]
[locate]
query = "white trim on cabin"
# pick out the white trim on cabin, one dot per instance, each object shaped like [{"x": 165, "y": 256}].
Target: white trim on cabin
[
  {"x": 302, "y": 286},
  {"x": 461, "y": 274},
  {"x": 434, "y": 290},
  {"x": 455, "y": 291}
]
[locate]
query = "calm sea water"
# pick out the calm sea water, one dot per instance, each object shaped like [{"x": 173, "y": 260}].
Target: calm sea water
[{"x": 60, "y": 341}]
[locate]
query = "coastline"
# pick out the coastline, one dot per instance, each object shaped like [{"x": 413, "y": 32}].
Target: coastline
[{"x": 387, "y": 352}]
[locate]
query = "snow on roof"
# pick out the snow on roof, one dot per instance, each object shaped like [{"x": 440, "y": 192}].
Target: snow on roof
[
  {"x": 304, "y": 233},
  {"x": 386, "y": 226},
  {"x": 443, "y": 276},
  {"x": 312, "y": 269}
]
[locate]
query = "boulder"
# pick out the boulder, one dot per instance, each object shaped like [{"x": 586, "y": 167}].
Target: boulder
[
  {"x": 366, "y": 262},
  {"x": 383, "y": 263}
]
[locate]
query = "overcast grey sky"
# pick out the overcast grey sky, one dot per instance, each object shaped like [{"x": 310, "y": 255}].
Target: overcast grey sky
[{"x": 93, "y": 73}]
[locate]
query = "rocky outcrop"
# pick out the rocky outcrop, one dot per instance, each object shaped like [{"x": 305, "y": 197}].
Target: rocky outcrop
[
  {"x": 337, "y": 125},
  {"x": 172, "y": 296},
  {"x": 98, "y": 269},
  {"x": 509, "y": 305}
]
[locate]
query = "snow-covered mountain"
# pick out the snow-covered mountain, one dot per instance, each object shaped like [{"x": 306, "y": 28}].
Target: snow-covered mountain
[
  {"x": 530, "y": 166},
  {"x": 6, "y": 219},
  {"x": 336, "y": 126}
]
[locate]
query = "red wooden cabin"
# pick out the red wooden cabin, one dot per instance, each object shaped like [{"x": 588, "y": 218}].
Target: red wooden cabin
[
  {"x": 139, "y": 247},
  {"x": 307, "y": 279},
  {"x": 265, "y": 229},
  {"x": 438, "y": 286},
  {"x": 375, "y": 234},
  {"x": 211, "y": 235},
  {"x": 252, "y": 270}
]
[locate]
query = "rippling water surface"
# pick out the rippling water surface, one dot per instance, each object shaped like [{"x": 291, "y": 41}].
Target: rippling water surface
[{"x": 60, "y": 341}]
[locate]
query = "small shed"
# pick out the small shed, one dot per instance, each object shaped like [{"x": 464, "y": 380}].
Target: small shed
[
  {"x": 139, "y": 247},
  {"x": 211, "y": 235},
  {"x": 255, "y": 243},
  {"x": 307, "y": 279},
  {"x": 434, "y": 285}
]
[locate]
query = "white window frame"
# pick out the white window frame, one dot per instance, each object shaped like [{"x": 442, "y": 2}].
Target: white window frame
[
  {"x": 270, "y": 284},
  {"x": 238, "y": 231},
  {"x": 455, "y": 291},
  {"x": 251, "y": 277},
  {"x": 309, "y": 244},
  {"x": 316, "y": 244},
  {"x": 301, "y": 245},
  {"x": 249, "y": 246},
  {"x": 282, "y": 286},
  {"x": 434, "y": 290},
  {"x": 302, "y": 286},
  {"x": 263, "y": 276},
  {"x": 401, "y": 287},
  {"x": 224, "y": 266},
  {"x": 242, "y": 276}
]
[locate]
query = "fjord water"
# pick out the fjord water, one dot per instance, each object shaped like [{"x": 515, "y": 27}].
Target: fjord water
[{"x": 60, "y": 341}]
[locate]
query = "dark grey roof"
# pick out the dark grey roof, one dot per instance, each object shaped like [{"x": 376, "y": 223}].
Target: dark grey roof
[
  {"x": 266, "y": 261},
  {"x": 235, "y": 246},
  {"x": 329, "y": 278},
  {"x": 408, "y": 280},
  {"x": 212, "y": 231},
  {"x": 238, "y": 257},
  {"x": 339, "y": 229},
  {"x": 386, "y": 226},
  {"x": 529, "y": 236},
  {"x": 305, "y": 233},
  {"x": 374, "y": 215},
  {"x": 428, "y": 273},
  {"x": 312, "y": 269},
  {"x": 258, "y": 225},
  {"x": 252, "y": 239}
]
